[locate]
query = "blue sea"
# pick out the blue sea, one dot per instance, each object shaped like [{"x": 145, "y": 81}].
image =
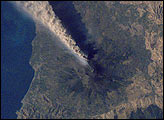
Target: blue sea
[{"x": 17, "y": 33}]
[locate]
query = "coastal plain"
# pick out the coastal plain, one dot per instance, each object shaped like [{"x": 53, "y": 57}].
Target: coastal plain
[{"x": 127, "y": 76}]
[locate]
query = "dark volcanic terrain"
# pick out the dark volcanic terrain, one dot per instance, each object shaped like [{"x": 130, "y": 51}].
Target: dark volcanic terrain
[{"x": 124, "y": 42}]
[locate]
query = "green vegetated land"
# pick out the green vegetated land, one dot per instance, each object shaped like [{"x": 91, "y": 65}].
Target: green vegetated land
[{"x": 63, "y": 88}]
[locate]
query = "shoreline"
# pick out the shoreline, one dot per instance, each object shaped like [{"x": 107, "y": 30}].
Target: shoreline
[{"x": 45, "y": 14}]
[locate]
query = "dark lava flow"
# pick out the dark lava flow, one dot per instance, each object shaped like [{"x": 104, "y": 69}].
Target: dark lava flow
[
  {"x": 100, "y": 81},
  {"x": 107, "y": 76},
  {"x": 71, "y": 20}
]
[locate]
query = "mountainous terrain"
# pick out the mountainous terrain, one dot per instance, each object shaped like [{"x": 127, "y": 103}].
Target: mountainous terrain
[{"x": 124, "y": 78}]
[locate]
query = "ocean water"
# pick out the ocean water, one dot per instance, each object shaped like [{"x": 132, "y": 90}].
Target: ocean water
[{"x": 17, "y": 33}]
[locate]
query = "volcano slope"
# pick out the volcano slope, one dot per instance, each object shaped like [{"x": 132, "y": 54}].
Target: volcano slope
[{"x": 124, "y": 78}]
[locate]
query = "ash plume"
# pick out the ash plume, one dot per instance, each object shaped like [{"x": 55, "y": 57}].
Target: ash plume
[{"x": 43, "y": 12}]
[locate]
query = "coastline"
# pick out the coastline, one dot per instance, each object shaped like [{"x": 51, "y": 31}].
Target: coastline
[
  {"x": 139, "y": 94},
  {"x": 45, "y": 14},
  {"x": 18, "y": 30}
]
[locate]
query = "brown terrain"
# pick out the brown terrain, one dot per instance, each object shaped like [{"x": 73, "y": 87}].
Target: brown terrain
[{"x": 129, "y": 39}]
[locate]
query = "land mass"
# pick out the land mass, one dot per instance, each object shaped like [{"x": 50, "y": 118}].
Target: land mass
[{"x": 127, "y": 80}]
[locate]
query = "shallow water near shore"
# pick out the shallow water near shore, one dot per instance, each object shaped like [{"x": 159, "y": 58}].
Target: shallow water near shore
[{"x": 18, "y": 31}]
